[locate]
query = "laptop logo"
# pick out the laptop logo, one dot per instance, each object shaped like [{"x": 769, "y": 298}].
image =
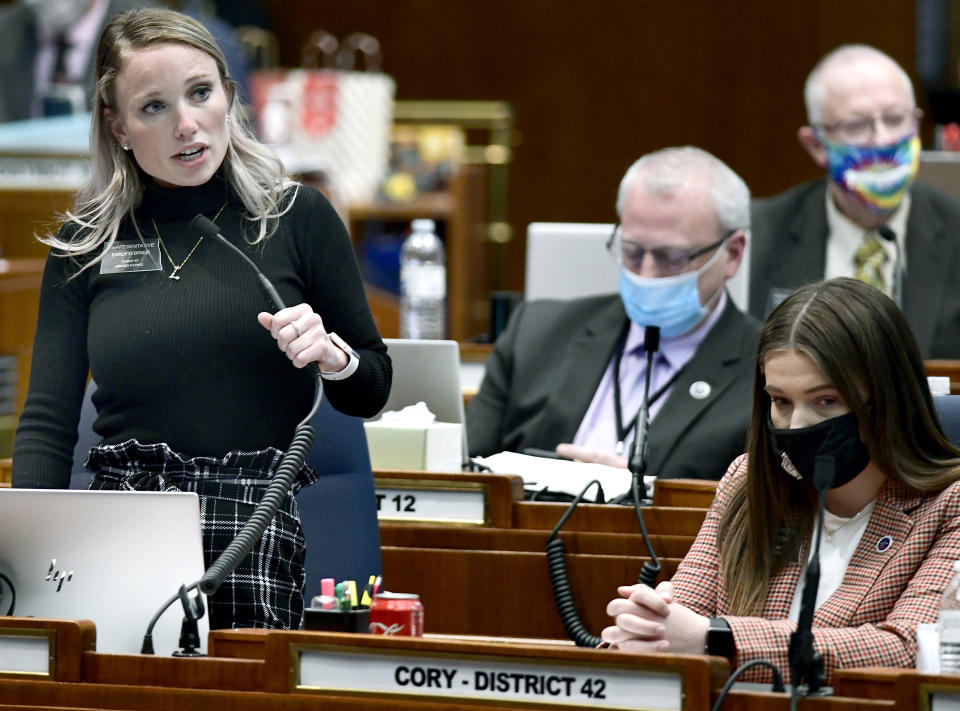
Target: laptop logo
[{"x": 58, "y": 576}]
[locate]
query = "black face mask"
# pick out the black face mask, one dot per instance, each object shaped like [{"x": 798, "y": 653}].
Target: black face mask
[{"x": 838, "y": 437}]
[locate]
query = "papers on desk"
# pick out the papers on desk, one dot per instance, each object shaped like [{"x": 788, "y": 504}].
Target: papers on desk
[{"x": 562, "y": 476}]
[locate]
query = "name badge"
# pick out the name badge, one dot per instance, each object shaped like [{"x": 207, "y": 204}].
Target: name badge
[{"x": 132, "y": 256}]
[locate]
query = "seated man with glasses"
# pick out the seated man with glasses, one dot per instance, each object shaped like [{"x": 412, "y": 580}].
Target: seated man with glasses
[
  {"x": 569, "y": 375},
  {"x": 867, "y": 218}
]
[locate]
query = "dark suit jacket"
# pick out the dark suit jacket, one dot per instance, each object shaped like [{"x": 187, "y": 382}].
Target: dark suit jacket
[
  {"x": 546, "y": 366},
  {"x": 789, "y": 235},
  {"x": 18, "y": 47}
]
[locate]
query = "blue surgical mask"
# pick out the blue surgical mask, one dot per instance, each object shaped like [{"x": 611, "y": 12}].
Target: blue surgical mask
[{"x": 672, "y": 303}]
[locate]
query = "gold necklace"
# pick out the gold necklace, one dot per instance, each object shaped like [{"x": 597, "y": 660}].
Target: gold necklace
[{"x": 178, "y": 267}]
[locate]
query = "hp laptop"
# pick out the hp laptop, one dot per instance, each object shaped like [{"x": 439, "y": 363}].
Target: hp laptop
[{"x": 110, "y": 557}]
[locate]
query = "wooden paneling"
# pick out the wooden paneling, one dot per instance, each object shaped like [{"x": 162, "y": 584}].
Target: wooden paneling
[
  {"x": 507, "y": 593},
  {"x": 19, "y": 302},
  {"x": 604, "y": 518},
  {"x": 487, "y": 539},
  {"x": 597, "y": 83},
  {"x": 24, "y": 214}
]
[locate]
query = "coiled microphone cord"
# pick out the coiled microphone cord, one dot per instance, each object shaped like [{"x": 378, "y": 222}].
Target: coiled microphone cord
[{"x": 560, "y": 579}]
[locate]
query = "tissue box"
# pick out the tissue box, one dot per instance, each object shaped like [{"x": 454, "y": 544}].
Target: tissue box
[{"x": 434, "y": 447}]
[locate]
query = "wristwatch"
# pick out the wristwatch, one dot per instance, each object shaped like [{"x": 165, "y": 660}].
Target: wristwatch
[
  {"x": 350, "y": 368},
  {"x": 720, "y": 639}
]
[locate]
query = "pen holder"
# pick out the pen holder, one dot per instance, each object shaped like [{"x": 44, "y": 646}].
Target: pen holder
[{"x": 319, "y": 620}]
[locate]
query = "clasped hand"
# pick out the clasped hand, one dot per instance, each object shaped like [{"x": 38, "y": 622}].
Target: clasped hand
[
  {"x": 649, "y": 620},
  {"x": 300, "y": 334}
]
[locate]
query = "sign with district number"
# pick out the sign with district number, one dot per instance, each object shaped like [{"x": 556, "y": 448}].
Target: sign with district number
[
  {"x": 453, "y": 676},
  {"x": 431, "y": 502}
]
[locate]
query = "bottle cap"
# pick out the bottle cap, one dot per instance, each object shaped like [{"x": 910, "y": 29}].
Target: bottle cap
[{"x": 423, "y": 225}]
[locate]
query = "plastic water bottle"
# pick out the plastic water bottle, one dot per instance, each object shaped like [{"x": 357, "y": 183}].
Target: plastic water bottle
[
  {"x": 423, "y": 283},
  {"x": 950, "y": 625}
]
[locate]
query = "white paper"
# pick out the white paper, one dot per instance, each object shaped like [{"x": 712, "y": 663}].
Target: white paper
[{"x": 563, "y": 476}]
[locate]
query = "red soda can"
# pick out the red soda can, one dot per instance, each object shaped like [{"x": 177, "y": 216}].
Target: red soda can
[{"x": 396, "y": 613}]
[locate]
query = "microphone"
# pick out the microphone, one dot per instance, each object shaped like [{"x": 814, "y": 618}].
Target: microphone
[
  {"x": 274, "y": 496},
  {"x": 292, "y": 461},
  {"x": 897, "y": 290},
  {"x": 806, "y": 664},
  {"x": 638, "y": 450},
  {"x": 638, "y": 456},
  {"x": 207, "y": 228}
]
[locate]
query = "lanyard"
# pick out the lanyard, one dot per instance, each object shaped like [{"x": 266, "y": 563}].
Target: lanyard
[{"x": 623, "y": 432}]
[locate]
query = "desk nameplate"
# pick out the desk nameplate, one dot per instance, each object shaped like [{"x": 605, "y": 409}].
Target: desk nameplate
[
  {"x": 371, "y": 671},
  {"x": 939, "y": 697},
  {"x": 432, "y": 501},
  {"x": 28, "y": 653}
]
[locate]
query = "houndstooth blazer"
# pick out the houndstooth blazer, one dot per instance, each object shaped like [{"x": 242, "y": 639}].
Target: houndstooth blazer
[{"x": 894, "y": 581}]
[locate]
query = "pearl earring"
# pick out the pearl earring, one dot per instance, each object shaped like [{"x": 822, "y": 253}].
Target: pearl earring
[{"x": 125, "y": 146}]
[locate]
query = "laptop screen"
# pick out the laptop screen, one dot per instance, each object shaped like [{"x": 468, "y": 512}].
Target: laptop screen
[
  {"x": 427, "y": 371},
  {"x": 107, "y": 556}
]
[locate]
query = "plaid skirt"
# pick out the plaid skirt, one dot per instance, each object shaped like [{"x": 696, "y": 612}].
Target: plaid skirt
[{"x": 266, "y": 589}]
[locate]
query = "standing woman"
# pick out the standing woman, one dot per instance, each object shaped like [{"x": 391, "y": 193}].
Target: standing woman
[
  {"x": 192, "y": 393},
  {"x": 838, "y": 372}
]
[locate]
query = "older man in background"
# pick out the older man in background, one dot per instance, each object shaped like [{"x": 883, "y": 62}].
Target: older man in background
[
  {"x": 867, "y": 218},
  {"x": 570, "y": 374}
]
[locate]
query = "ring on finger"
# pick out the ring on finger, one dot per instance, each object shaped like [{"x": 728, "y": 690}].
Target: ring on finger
[{"x": 296, "y": 328}]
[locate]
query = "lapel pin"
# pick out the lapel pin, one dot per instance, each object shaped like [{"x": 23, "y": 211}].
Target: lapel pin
[
  {"x": 699, "y": 390},
  {"x": 884, "y": 543}
]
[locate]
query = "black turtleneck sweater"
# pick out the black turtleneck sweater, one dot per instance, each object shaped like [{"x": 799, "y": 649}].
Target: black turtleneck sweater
[{"x": 186, "y": 362}]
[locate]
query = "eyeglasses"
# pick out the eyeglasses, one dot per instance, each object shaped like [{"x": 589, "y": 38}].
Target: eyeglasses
[
  {"x": 898, "y": 121},
  {"x": 668, "y": 260}
]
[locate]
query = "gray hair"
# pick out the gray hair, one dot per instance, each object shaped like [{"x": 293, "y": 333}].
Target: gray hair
[
  {"x": 665, "y": 171},
  {"x": 815, "y": 88}
]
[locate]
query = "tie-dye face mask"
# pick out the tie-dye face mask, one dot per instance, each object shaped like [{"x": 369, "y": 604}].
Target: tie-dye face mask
[{"x": 877, "y": 176}]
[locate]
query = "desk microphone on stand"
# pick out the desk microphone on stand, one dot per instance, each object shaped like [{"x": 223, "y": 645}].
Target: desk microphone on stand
[
  {"x": 637, "y": 464},
  {"x": 556, "y": 560},
  {"x": 276, "y": 492},
  {"x": 897, "y": 290},
  {"x": 806, "y": 664}
]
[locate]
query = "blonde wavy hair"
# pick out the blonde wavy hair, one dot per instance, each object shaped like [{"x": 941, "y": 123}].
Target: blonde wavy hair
[{"x": 114, "y": 189}]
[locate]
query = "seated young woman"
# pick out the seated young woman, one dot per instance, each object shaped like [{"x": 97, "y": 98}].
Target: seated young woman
[{"x": 838, "y": 373}]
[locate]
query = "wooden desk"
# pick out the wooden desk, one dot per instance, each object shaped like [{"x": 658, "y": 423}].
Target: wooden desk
[
  {"x": 908, "y": 688},
  {"x": 260, "y": 669},
  {"x": 674, "y": 521},
  {"x": 19, "y": 302},
  {"x": 254, "y": 670},
  {"x": 495, "y": 592},
  {"x": 695, "y": 493},
  {"x": 945, "y": 368},
  {"x": 485, "y": 579}
]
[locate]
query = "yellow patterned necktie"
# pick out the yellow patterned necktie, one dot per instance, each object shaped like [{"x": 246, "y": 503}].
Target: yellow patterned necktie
[{"x": 868, "y": 263}]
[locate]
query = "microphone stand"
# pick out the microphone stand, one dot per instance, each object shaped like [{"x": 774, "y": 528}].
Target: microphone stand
[
  {"x": 638, "y": 449},
  {"x": 290, "y": 464},
  {"x": 806, "y": 664},
  {"x": 274, "y": 496},
  {"x": 897, "y": 287},
  {"x": 637, "y": 464}
]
